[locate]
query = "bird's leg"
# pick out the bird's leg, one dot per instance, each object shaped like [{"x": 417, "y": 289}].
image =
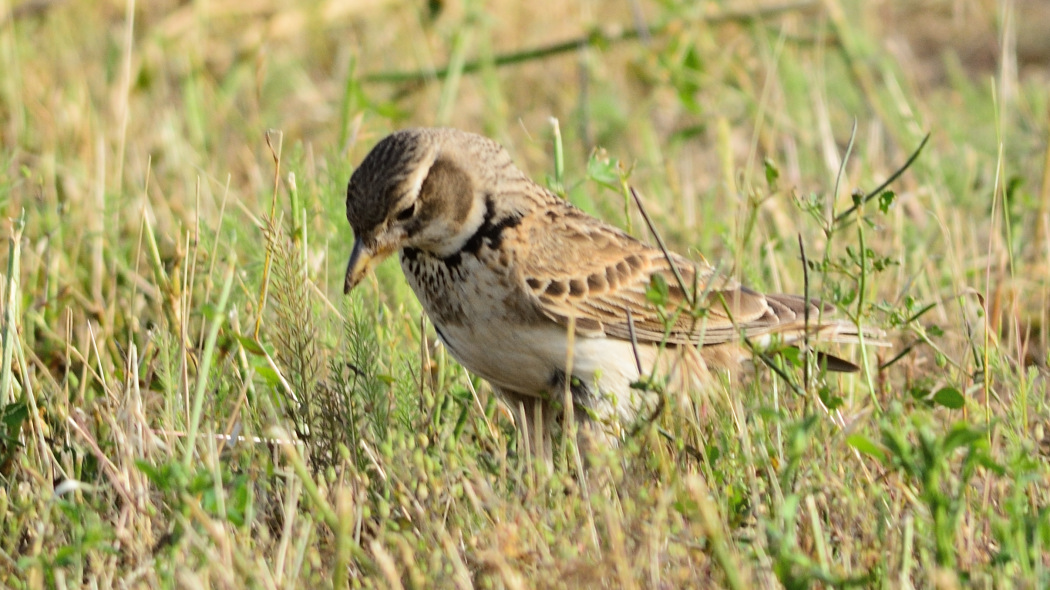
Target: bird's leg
[{"x": 533, "y": 418}]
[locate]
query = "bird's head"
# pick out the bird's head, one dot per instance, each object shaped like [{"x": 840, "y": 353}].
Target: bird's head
[{"x": 419, "y": 188}]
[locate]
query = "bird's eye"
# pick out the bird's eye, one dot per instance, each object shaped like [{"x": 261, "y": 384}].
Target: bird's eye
[{"x": 407, "y": 212}]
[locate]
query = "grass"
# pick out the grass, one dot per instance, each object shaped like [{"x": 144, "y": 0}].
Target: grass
[{"x": 187, "y": 399}]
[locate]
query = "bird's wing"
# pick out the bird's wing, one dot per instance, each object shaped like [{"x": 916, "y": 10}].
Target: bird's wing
[{"x": 581, "y": 270}]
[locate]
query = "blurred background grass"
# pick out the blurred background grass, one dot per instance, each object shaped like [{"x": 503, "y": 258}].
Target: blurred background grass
[{"x": 174, "y": 174}]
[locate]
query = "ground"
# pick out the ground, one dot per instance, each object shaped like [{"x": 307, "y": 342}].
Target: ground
[{"x": 189, "y": 400}]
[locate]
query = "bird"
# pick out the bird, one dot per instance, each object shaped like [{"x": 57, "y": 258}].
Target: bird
[{"x": 553, "y": 307}]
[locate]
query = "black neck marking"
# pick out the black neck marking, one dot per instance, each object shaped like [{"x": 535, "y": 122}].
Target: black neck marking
[
  {"x": 489, "y": 233},
  {"x": 410, "y": 254}
]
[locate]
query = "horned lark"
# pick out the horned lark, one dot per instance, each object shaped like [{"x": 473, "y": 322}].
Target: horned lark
[{"x": 544, "y": 301}]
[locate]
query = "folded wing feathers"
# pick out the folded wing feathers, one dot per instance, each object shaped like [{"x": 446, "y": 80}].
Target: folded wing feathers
[
  {"x": 615, "y": 272},
  {"x": 728, "y": 313}
]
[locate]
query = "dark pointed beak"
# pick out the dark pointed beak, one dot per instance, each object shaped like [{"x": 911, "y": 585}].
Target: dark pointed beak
[{"x": 361, "y": 260}]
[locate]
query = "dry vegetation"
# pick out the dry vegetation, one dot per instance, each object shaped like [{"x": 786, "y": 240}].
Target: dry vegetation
[{"x": 188, "y": 400}]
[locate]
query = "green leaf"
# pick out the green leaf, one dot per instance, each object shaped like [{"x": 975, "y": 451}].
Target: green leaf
[
  {"x": 950, "y": 398},
  {"x": 658, "y": 292},
  {"x": 919, "y": 393},
  {"x": 166, "y": 476},
  {"x": 961, "y": 435},
  {"x": 268, "y": 375},
  {"x": 210, "y": 311},
  {"x": 604, "y": 170},
  {"x": 13, "y": 415},
  {"x": 251, "y": 346},
  {"x": 886, "y": 199},
  {"x": 792, "y": 355},
  {"x": 831, "y": 402},
  {"x": 866, "y": 446},
  {"x": 772, "y": 173}
]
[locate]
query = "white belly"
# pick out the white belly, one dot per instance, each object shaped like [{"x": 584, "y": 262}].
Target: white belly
[{"x": 527, "y": 360}]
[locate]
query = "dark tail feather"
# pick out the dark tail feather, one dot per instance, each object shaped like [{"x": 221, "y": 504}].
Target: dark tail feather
[{"x": 836, "y": 364}]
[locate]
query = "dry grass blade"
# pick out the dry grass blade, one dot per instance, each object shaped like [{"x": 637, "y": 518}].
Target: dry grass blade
[
  {"x": 690, "y": 294},
  {"x": 845, "y": 215}
]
